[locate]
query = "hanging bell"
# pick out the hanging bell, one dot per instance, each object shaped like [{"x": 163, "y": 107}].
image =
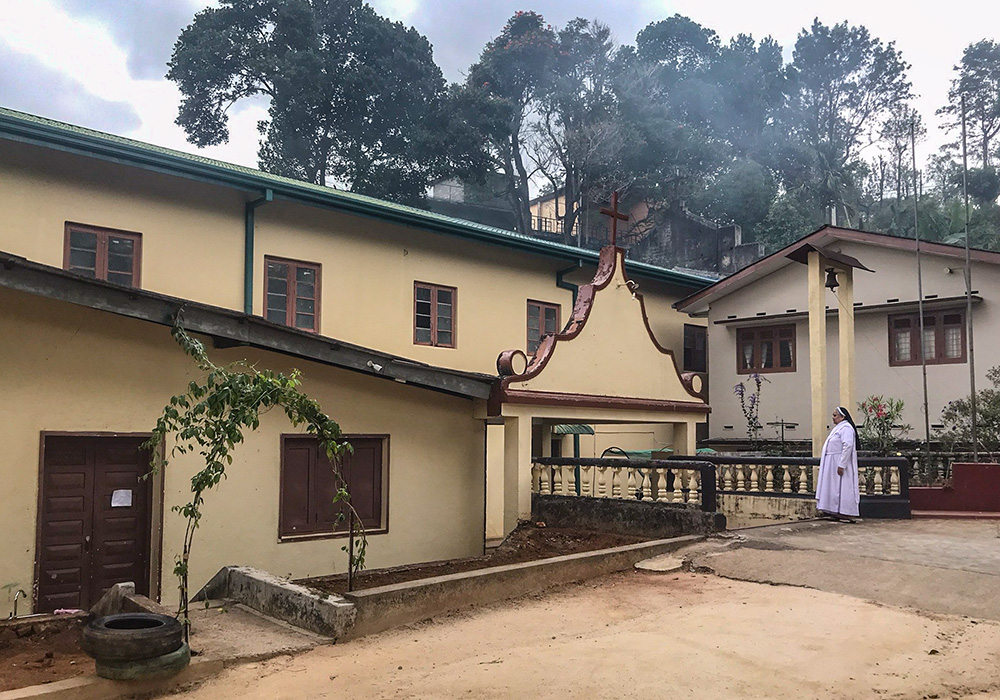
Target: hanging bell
[{"x": 831, "y": 279}]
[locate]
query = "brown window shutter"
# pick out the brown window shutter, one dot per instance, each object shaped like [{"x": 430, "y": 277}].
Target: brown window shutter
[{"x": 295, "y": 471}]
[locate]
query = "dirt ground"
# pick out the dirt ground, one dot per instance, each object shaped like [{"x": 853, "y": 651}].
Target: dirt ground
[
  {"x": 527, "y": 543},
  {"x": 638, "y": 635},
  {"x": 41, "y": 657}
]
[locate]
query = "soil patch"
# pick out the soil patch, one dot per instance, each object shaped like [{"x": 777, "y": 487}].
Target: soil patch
[
  {"x": 527, "y": 543},
  {"x": 41, "y": 656}
]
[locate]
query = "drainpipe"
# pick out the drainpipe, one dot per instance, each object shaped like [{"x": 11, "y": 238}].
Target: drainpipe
[
  {"x": 562, "y": 284},
  {"x": 248, "y": 248}
]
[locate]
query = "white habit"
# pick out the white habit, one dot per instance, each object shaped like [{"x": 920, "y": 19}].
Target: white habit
[{"x": 835, "y": 493}]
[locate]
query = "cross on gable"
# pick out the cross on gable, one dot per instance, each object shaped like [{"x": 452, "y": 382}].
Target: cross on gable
[{"x": 615, "y": 217}]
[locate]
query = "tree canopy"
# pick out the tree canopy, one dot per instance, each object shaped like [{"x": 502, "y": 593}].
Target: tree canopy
[
  {"x": 679, "y": 118},
  {"x": 354, "y": 98}
]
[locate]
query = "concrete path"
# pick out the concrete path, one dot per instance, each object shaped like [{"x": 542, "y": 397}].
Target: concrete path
[
  {"x": 645, "y": 635},
  {"x": 941, "y": 566}
]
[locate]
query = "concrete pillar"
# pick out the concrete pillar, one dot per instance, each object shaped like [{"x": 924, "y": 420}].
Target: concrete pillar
[
  {"x": 516, "y": 471},
  {"x": 546, "y": 440},
  {"x": 817, "y": 351},
  {"x": 845, "y": 336},
  {"x": 685, "y": 439},
  {"x": 494, "y": 483}
]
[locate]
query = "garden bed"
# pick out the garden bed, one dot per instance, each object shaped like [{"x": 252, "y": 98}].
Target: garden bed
[
  {"x": 527, "y": 543},
  {"x": 36, "y": 654}
]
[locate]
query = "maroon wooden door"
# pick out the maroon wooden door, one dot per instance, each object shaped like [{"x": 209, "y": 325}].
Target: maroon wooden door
[{"x": 94, "y": 519}]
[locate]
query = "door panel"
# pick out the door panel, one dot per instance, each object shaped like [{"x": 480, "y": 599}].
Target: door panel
[{"x": 87, "y": 544}]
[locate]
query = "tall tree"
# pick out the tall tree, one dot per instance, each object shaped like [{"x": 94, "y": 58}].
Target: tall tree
[
  {"x": 577, "y": 140},
  {"x": 978, "y": 80},
  {"x": 847, "y": 82},
  {"x": 500, "y": 94},
  {"x": 353, "y": 96}
]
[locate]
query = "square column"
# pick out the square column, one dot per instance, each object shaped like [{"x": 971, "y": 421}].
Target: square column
[
  {"x": 845, "y": 336},
  {"x": 817, "y": 351},
  {"x": 516, "y": 471},
  {"x": 685, "y": 439},
  {"x": 494, "y": 481}
]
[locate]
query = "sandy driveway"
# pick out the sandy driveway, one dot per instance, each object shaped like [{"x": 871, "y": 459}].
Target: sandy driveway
[{"x": 641, "y": 635}]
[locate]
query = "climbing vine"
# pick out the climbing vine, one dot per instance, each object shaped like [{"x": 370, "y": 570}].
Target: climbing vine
[{"x": 210, "y": 419}]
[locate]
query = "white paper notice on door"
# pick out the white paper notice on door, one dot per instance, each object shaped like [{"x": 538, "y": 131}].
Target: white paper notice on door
[{"x": 121, "y": 498}]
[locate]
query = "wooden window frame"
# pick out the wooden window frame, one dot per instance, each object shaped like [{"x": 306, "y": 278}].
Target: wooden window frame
[
  {"x": 542, "y": 306},
  {"x": 101, "y": 263},
  {"x": 684, "y": 363},
  {"x": 341, "y": 531},
  {"x": 292, "y": 286},
  {"x": 756, "y": 331},
  {"x": 916, "y": 342},
  {"x": 434, "y": 288}
]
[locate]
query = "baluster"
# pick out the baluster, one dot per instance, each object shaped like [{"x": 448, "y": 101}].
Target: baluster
[
  {"x": 727, "y": 476},
  {"x": 755, "y": 477},
  {"x": 769, "y": 478},
  {"x": 587, "y": 482},
  {"x": 693, "y": 495},
  {"x": 616, "y": 486},
  {"x": 557, "y": 480},
  {"x": 863, "y": 481},
  {"x": 544, "y": 480},
  {"x": 568, "y": 480},
  {"x": 878, "y": 481},
  {"x": 786, "y": 478},
  {"x": 678, "y": 495},
  {"x": 661, "y": 485},
  {"x": 535, "y": 477},
  {"x": 630, "y": 486},
  {"x": 647, "y": 484},
  {"x": 894, "y": 480},
  {"x": 602, "y": 482},
  {"x": 803, "y": 480}
]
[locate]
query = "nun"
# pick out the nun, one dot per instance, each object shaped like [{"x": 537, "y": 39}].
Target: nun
[{"x": 837, "y": 492}]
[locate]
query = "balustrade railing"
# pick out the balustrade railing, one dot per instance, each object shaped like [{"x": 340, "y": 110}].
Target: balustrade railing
[
  {"x": 934, "y": 469},
  {"x": 687, "y": 482},
  {"x": 796, "y": 476}
]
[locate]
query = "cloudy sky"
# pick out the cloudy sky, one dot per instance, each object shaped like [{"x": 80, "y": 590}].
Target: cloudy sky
[{"x": 100, "y": 63}]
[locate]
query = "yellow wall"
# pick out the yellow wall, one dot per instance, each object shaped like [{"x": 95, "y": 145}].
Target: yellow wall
[
  {"x": 367, "y": 283},
  {"x": 67, "y": 368},
  {"x": 192, "y": 247},
  {"x": 192, "y": 233}
]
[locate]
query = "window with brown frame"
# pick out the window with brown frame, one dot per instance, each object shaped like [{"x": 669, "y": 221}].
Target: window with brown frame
[
  {"x": 765, "y": 349},
  {"x": 308, "y": 486},
  {"x": 291, "y": 293},
  {"x": 434, "y": 315},
  {"x": 543, "y": 319},
  {"x": 695, "y": 348},
  {"x": 944, "y": 338},
  {"x": 103, "y": 253}
]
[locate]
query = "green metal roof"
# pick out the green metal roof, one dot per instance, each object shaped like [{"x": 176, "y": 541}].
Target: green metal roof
[
  {"x": 572, "y": 429},
  {"x": 28, "y": 128}
]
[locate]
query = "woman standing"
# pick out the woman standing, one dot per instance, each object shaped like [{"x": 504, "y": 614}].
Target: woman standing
[{"x": 837, "y": 492}]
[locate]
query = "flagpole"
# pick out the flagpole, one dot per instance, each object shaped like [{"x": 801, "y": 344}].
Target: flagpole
[
  {"x": 920, "y": 287},
  {"x": 968, "y": 296}
]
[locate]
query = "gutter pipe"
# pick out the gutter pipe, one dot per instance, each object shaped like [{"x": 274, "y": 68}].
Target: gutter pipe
[
  {"x": 249, "y": 210},
  {"x": 563, "y": 284}
]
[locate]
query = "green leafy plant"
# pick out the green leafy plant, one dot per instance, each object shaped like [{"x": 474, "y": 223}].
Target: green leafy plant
[
  {"x": 210, "y": 419},
  {"x": 882, "y": 426},
  {"x": 750, "y": 405},
  {"x": 957, "y": 419}
]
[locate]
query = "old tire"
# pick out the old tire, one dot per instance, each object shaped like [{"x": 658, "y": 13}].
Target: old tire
[
  {"x": 158, "y": 667},
  {"x": 131, "y": 637}
]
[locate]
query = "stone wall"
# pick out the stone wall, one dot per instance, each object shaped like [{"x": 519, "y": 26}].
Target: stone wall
[{"x": 621, "y": 517}]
